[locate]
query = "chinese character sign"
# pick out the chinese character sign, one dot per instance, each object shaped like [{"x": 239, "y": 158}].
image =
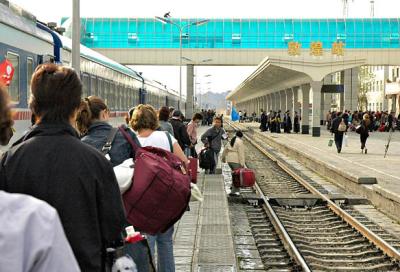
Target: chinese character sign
[
  {"x": 338, "y": 48},
  {"x": 6, "y": 72},
  {"x": 316, "y": 49},
  {"x": 294, "y": 48}
]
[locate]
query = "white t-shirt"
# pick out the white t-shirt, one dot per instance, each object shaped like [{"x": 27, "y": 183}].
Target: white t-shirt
[{"x": 157, "y": 139}]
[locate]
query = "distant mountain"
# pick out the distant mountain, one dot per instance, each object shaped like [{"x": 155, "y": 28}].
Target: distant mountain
[{"x": 211, "y": 100}]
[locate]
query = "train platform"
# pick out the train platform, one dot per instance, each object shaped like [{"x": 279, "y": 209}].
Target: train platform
[
  {"x": 370, "y": 175},
  {"x": 203, "y": 237}
]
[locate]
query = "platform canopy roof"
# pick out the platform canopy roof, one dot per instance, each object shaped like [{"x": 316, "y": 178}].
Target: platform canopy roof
[{"x": 275, "y": 74}]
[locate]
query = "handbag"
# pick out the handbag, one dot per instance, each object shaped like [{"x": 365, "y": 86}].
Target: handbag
[{"x": 133, "y": 254}]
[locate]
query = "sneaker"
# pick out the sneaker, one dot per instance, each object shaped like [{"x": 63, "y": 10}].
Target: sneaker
[{"x": 366, "y": 151}]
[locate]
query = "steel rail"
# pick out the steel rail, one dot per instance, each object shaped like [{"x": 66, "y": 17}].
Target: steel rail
[
  {"x": 280, "y": 229},
  {"x": 371, "y": 236}
]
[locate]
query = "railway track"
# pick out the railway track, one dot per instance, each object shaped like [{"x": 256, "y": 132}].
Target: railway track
[{"x": 314, "y": 234}]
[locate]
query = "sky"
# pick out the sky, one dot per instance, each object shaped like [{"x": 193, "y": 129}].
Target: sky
[{"x": 222, "y": 78}]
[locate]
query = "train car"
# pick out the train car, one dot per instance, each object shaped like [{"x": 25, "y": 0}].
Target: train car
[
  {"x": 27, "y": 43},
  {"x": 26, "y": 46}
]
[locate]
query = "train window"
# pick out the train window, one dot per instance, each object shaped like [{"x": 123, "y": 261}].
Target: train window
[
  {"x": 100, "y": 86},
  {"x": 85, "y": 87},
  {"x": 14, "y": 86},
  {"x": 29, "y": 73},
  {"x": 106, "y": 89},
  {"x": 93, "y": 86}
]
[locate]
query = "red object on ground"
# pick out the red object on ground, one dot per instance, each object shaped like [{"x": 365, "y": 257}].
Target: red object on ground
[
  {"x": 193, "y": 169},
  {"x": 244, "y": 177},
  {"x": 6, "y": 72}
]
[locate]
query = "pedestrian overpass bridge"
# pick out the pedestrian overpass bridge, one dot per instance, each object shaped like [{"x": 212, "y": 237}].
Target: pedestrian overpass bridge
[
  {"x": 147, "y": 41},
  {"x": 294, "y": 56}
]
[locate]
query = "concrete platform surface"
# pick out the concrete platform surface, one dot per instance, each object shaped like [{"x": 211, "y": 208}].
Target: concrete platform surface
[{"x": 203, "y": 237}]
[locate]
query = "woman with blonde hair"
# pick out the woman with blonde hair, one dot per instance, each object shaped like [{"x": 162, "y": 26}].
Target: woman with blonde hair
[
  {"x": 364, "y": 132},
  {"x": 145, "y": 122}
]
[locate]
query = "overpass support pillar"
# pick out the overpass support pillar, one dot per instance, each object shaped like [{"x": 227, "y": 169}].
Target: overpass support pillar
[
  {"x": 385, "y": 104},
  {"x": 189, "y": 91},
  {"x": 305, "y": 106},
  {"x": 351, "y": 88},
  {"x": 289, "y": 102},
  {"x": 316, "y": 107}
]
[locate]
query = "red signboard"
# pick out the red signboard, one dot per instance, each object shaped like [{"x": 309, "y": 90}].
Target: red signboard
[{"x": 6, "y": 72}]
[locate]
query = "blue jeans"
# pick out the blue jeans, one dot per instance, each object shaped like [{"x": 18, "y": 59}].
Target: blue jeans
[{"x": 165, "y": 252}]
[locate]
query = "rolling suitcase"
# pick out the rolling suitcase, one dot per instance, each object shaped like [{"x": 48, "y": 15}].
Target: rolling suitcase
[
  {"x": 244, "y": 177},
  {"x": 193, "y": 169}
]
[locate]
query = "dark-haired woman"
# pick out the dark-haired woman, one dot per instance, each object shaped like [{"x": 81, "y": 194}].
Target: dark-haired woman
[
  {"x": 163, "y": 117},
  {"x": 233, "y": 154},
  {"x": 52, "y": 164},
  {"x": 92, "y": 121},
  {"x": 192, "y": 132}
]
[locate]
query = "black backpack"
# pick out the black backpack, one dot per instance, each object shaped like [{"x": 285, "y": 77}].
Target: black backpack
[{"x": 206, "y": 158}]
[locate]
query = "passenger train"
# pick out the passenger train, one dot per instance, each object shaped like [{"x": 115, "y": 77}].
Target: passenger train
[{"x": 27, "y": 42}]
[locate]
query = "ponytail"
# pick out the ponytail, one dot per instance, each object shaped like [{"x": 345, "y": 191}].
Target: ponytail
[
  {"x": 238, "y": 134},
  {"x": 84, "y": 117},
  {"x": 233, "y": 141},
  {"x": 89, "y": 110}
]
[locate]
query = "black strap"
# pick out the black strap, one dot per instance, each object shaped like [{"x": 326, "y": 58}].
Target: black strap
[
  {"x": 107, "y": 147},
  {"x": 169, "y": 141}
]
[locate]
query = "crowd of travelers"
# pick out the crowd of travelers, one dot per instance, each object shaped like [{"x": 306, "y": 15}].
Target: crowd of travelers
[
  {"x": 274, "y": 121},
  {"x": 338, "y": 123},
  {"x": 61, "y": 200}
]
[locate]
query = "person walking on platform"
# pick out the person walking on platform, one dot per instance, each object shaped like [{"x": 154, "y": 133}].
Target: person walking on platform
[
  {"x": 278, "y": 122},
  {"x": 364, "y": 132},
  {"x": 213, "y": 139},
  {"x": 92, "y": 121},
  {"x": 145, "y": 122},
  {"x": 192, "y": 132},
  {"x": 233, "y": 154},
  {"x": 272, "y": 120},
  {"x": 180, "y": 131},
  {"x": 52, "y": 164},
  {"x": 296, "y": 122},
  {"x": 288, "y": 122},
  {"x": 264, "y": 122},
  {"x": 338, "y": 128},
  {"x": 24, "y": 219},
  {"x": 163, "y": 117}
]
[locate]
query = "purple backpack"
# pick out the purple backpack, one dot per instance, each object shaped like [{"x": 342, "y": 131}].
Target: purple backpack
[{"x": 160, "y": 190}]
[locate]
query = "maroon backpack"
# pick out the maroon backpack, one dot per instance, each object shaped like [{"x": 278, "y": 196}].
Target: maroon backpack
[{"x": 160, "y": 190}]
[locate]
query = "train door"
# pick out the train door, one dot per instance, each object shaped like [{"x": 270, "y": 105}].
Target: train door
[{"x": 142, "y": 96}]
